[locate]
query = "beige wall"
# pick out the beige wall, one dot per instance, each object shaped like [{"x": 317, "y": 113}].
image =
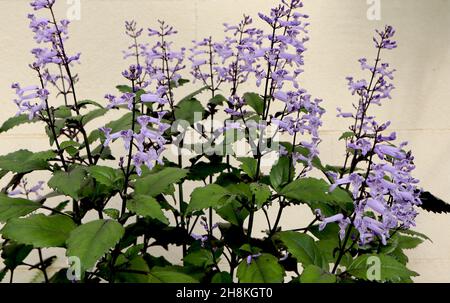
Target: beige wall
[{"x": 340, "y": 34}]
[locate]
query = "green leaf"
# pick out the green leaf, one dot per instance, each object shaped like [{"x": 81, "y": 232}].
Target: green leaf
[
  {"x": 390, "y": 246},
  {"x": 190, "y": 110},
  {"x": 391, "y": 270},
  {"x": 304, "y": 152},
  {"x": 135, "y": 270},
  {"x": 67, "y": 144},
  {"x": 13, "y": 254},
  {"x": 96, "y": 113},
  {"x": 58, "y": 125},
  {"x": 112, "y": 213},
  {"x": 15, "y": 207},
  {"x": 212, "y": 195},
  {"x": 262, "y": 193},
  {"x": 108, "y": 176},
  {"x": 315, "y": 274},
  {"x": 169, "y": 275},
  {"x": 71, "y": 147},
  {"x": 83, "y": 103},
  {"x": 217, "y": 100},
  {"x": 303, "y": 248},
  {"x": 201, "y": 170},
  {"x": 16, "y": 121},
  {"x": 249, "y": 166},
  {"x": 124, "y": 88},
  {"x": 414, "y": 233},
  {"x": 255, "y": 101},
  {"x": 407, "y": 242},
  {"x": 124, "y": 123},
  {"x": 69, "y": 183},
  {"x": 24, "y": 161},
  {"x": 238, "y": 188},
  {"x": 279, "y": 174},
  {"x": 102, "y": 152},
  {"x": 222, "y": 277},
  {"x": 159, "y": 182},
  {"x": 63, "y": 112},
  {"x": 147, "y": 206},
  {"x": 200, "y": 258},
  {"x": 346, "y": 135},
  {"x": 92, "y": 240},
  {"x": 39, "y": 230},
  {"x": 263, "y": 269},
  {"x": 313, "y": 191},
  {"x": 328, "y": 249},
  {"x": 233, "y": 212},
  {"x": 399, "y": 255}
]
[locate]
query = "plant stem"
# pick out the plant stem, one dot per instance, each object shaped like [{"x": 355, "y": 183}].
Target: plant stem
[
  {"x": 277, "y": 220},
  {"x": 213, "y": 94},
  {"x": 43, "y": 269},
  {"x": 268, "y": 76},
  {"x": 51, "y": 125},
  {"x": 130, "y": 154},
  {"x": 71, "y": 80},
  {"x": 56, "y": 211},
  {"x": 251, "y": 218},
  {"x": 267, "y": 219},
  {"x": 181, "y": 201}
]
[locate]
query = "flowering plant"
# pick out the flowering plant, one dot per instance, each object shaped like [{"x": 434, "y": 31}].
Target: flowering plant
[{"x": 110, "y": 210}]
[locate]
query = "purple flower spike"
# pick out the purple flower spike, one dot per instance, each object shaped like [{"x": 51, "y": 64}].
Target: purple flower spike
[{"x": 385, "y": 194}]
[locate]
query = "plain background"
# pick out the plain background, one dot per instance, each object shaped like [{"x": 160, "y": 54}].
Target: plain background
[{"x": 340, "y": 34}]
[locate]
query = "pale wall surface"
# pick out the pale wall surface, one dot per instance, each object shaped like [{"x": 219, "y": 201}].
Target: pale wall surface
[{"x": 340, "y": 34}]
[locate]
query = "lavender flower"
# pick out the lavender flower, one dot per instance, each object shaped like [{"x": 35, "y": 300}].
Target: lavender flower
[
  {"x": 126, "y": 98},
  {"x": 385, "y": 194},
  {"x": 206, "y": 64},
  {"x": 23, "y": 190},
  {"x": 162, "y": 66},
  {"x": 204, "y": 238},
  {"x": 273, "y": 59},
  {"x": 133, "y": 73},
  {"x": 200, "y": 238},
  {"x": 156, "y": 76},
  {"x": 30, "y": 99},
  {"x": 250, "y": 258},
  {"x": 339, "y": 218},
  {"x": 134, "y": 33},
  {"x": 51, "y": 54},
  {"x": 40, "y": 4},
  {"x": 149, "y": 141}
]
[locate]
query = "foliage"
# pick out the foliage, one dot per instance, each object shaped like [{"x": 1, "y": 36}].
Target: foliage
[{"x": 146, "y": 194}]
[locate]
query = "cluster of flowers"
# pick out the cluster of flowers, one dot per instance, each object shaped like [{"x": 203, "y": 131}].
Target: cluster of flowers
[
  {"x": 157, "y": 76},
  {"x": 159, "y": 64},
  {"x": 275, "y": 60},
  {"x": 149, "y": 141},
  {"x": 275, "y": 57},
  {"x": 51, "y": 34},
  {"x": 385, "y": 194}
]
